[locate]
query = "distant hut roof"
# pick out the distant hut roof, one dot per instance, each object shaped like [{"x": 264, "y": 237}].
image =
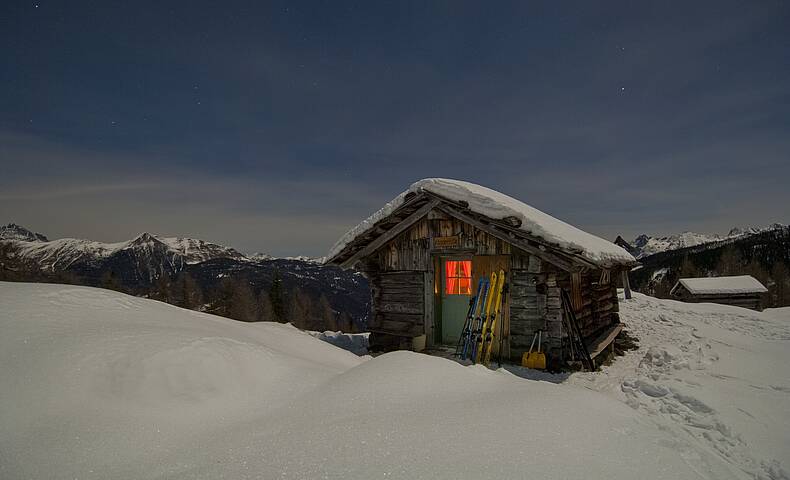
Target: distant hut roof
[
  {"x": 498, "y": 207},
  {"x": 721, "y": 285}
]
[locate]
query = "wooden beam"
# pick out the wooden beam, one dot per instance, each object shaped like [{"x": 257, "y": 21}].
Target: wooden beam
[
  {"x": 599, "y": 344},
  {"x": 377, "y": 228},
  {"x": 627, "y": 285},
  {"x": 390, "y": 234},
  {"x": 509, "y": 238}
]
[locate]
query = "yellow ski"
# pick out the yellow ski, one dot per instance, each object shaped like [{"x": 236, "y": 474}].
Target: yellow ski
[
  {"x": 489, "y": 301},
  {"x": 488, "y": 341}
]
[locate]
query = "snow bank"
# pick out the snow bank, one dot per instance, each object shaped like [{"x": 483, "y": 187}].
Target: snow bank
[
  {"x": 497, "y": 205},
  {"x": 99, "y": 384},
  {"x": 713, "y": 378},
  {"x": 780, "y": 313},
  {"x": 356, "y": 343},
  {"x": 723, "y": 285}
]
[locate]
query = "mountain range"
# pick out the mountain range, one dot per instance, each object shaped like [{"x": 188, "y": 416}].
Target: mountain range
[
  {"x": 156, "y": 266},
  {"x": 645, "y": 245},
  {"x": 763, "y": 253},
  {"x": 211, "y": 277}
]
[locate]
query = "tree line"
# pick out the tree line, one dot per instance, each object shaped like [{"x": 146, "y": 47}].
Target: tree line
[
  {"x": 239, "y": 299},
  {"x": 767, "y": 259}
]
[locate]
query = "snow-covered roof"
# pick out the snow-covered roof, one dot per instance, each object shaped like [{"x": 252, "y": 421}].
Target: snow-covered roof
[
  {"x": 722, "y": 285},
  {"x": 498, "y": 206}
]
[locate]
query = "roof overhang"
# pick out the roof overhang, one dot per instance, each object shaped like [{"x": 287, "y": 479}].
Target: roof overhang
[{"x": 418, "y": 205}]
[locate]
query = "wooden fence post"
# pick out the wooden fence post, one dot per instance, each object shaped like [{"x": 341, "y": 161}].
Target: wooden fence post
[{"x": 626, "y": 285}]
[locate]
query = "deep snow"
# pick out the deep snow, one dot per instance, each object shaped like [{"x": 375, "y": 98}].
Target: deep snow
[{"x": 97, "y": 384}]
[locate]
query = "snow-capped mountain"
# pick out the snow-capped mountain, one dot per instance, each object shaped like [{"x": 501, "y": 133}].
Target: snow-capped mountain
[
  {"x": 13, "y": 231},
  {"x": 645, "y": 245},
  {"x": 145, "y": 248},
  {"x": 148, "y": 264},
  {"x": 196, "y": 251}
]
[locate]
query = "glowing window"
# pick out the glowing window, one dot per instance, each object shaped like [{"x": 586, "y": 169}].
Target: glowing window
[{"x": 459, "y": 277}]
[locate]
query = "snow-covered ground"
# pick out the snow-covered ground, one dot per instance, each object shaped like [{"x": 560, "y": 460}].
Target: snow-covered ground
[
  {"x": 97, "y": 384},
  {"x": 714, "y": 378}
]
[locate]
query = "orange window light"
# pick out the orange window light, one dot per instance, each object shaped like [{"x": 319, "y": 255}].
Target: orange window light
[{"x": 459, "y": 277}]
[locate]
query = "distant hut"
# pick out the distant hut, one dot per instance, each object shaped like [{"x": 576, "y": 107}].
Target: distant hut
[
  {"x": 741, "y": 291},
  {"x": 424, "y": 252}
]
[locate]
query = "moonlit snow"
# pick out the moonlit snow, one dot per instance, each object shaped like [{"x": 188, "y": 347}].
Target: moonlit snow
[{"x": 97, "y": 384}]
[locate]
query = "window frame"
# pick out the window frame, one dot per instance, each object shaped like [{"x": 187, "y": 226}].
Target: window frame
[{"x": 459, "y": 283}]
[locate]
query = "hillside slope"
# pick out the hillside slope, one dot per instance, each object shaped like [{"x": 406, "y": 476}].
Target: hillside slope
[
  {"x": 646, "y": 245},
  {"x": 96, "y": 383},
  {"x": 194, "y": 274},
  {"x": 764, "y": 255}
]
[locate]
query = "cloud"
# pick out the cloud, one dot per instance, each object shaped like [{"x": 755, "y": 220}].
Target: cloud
[{"x": 623, "y": 119}]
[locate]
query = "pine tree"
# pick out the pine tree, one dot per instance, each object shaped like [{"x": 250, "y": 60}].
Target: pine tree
[
  {"x": 161, "y": 289},
  {"x": 688, "y": 269},
  {"x": 186, "y": 291},
  {"x": 265, "y": 310},
  {"x": 300, "y": 310},
  {"x": 277, "y": 298},
  {"x": 242, "y": 302},
  {"x": 781, "y": 289},
  {"x": 110, "y": 281},
  {"x": 346, "y": 324},
  {"x": 222, "y": 298},
  {"x": 326, "y": 315}
]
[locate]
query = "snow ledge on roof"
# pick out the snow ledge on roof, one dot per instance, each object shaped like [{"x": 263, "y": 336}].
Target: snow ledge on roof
[
  {"x": 496, "y": 205},
  {"x": 722, "y": 285}
]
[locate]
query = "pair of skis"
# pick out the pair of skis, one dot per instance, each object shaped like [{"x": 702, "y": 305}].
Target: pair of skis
[
  {"x": 463, "y": 348},
  {"x": 489, "y": 326},
  {"x": 477, "y": 335}
]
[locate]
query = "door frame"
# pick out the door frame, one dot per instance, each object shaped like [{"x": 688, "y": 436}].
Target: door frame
[{"x": 438, "y": 267}]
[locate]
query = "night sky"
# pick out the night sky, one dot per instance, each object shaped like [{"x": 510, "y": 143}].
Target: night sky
[{"x": 275, "y": 127}]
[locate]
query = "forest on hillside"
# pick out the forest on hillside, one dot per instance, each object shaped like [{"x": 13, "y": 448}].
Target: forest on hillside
[{"x": 765, "y": 256}]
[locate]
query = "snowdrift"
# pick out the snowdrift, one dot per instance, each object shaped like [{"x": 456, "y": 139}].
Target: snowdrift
[{"x": 99, "y": 384}]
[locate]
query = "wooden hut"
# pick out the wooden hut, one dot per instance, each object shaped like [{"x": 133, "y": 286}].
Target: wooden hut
[
  {"x": 424, "y": 252},
  {"x": 741, "y": 291}
]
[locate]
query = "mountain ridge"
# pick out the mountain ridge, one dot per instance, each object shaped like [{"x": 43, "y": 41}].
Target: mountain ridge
[
  {"x": 645, "y": 245},
  {"x": 194, "y": 273}
]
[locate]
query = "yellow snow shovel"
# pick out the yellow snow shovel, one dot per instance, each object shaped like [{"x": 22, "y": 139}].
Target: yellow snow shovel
[{"x": 536, "y": 359}]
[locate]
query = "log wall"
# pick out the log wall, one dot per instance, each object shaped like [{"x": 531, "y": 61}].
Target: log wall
[
  {"x": 399, "y": 303},
  {"x": 746, "y": 300},
  {"x": 403, "y": 275},
  {"x": 413, "y": 249}
]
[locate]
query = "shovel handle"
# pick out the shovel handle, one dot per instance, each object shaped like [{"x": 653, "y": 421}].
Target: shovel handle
[
  {"x": 533, "y": 343},
  {"x": 540, "y": 334}
]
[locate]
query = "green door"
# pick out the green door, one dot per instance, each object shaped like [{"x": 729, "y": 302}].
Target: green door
[{"x": 455, "y": 293}]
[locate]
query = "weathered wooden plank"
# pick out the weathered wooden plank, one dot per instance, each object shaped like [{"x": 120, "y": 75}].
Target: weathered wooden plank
[
  {"x": 386, "y": 296},
  {"x": 393, "y": 232},
  {"x": 535, "y": 265},
  {"x": 522, "y": 278},
  {"x": 524, "y": 291},
  {"x": 428, "y": 298},
  {"x": 510, "y": 238},
  {"x": 522, "y": 342},
  {"x": 553, "y": 302},
  {"x": 401, "y": 278},
  {"x": 392, "y": 307},
  {"x": 415, "y": 318},
  {"x": 399, "y": 328},
  {"x": 517, "y": 314},
  {"x": 598, "y": 344}
]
